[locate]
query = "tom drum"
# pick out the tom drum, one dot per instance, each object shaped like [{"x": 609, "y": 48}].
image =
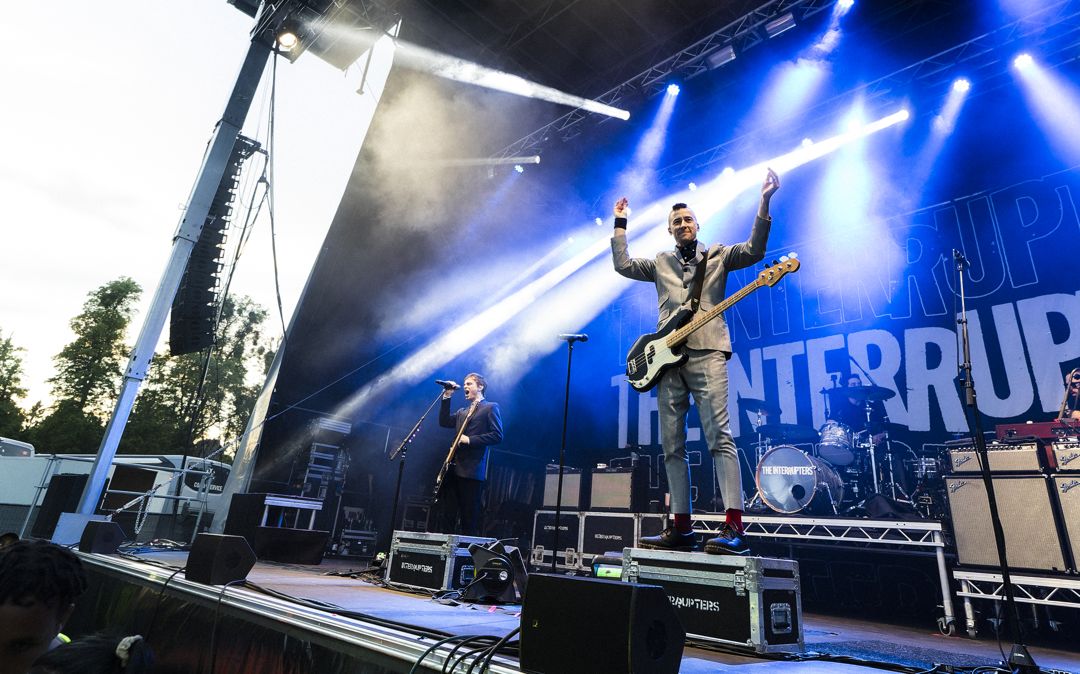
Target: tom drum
[{"x": 836, "y": 445}]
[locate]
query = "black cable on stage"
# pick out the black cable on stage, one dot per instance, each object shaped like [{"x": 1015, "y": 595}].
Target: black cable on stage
[
  {"x": 454, "y": 650},
  {"x": 157, "y": 603},
  {"x": 494, "y": 649},
  {"x": 470, "y": 653},
  {"x": 434, "y": 646},
  {"x": 217, "y": 615}
]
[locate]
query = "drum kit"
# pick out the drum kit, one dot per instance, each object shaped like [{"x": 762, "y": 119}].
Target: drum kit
[{"x": 830, "y": 471}]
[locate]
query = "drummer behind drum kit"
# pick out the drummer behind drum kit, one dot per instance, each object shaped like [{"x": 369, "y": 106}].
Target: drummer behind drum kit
[{"x": 837, "y": 477}]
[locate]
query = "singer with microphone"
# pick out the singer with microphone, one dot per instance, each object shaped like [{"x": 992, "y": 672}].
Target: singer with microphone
[
  {"x": 478, "y": 427},
  {"x": 695, "y": 276}
]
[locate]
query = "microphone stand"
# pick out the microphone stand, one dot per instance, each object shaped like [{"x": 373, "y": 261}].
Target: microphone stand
[
  {"x": 1020, "y": 661},
  {"x": 401, "y": 450},
  {"x": 562, "y": 453}
]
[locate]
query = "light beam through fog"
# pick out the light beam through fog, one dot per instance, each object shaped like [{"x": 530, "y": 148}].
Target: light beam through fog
[{"x": 603, "y": 284}]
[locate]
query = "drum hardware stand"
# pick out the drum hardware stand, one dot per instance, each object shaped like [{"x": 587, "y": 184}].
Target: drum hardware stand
[
  {"x": 755, "y": 502},
  {"x": 1019, "y": 660}
]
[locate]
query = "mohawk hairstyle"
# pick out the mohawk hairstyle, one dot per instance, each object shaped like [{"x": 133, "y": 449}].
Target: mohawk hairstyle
[
  {"x": 39, "y": 571},
  {"x": 675, "y": 207}
]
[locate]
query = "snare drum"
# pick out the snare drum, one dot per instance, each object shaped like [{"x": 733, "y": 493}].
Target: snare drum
[
  {"x": 836, "y": 444},
  {"x": 789, "y": 479}
]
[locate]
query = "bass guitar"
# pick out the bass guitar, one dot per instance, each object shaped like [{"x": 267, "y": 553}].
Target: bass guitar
[
  {"x": 658, "y": 351},
  {"x": 449, "y": 461}
]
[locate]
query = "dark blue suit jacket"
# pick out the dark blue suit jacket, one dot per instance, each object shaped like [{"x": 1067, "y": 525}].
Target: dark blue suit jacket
[{"x": 484, "y": 429}]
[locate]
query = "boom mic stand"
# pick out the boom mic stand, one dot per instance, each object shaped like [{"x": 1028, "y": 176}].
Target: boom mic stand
[
  {"x": 401, "y": 450},
  {"x": 570, "y": 339},
  {"x": 1020, "y": 661}
]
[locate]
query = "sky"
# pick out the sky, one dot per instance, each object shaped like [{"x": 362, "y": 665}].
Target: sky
[{"x": 107, "y": 114}]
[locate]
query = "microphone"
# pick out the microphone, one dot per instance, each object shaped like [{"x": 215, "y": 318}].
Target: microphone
[
  {"x": 576, "y": 337},
  {"x": 448, "y": 385},
  {"x": 959, "y": 257}
]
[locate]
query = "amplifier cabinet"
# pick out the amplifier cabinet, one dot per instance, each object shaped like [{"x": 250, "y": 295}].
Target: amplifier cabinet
[
  {"x": 543, "y": 540},
  {"x": 428, "y": 561},
  {"x": 1067, "y": 456},
  {"x": 748, "y": 602},
  {"x": 1019, "y": 458},
  {"x": 1027, "y": 520},
  {"x": 619, "y": 489},
  {"x": 1067, "y": 490},
  {"x": 607, "y": 532},
  {"x": 573, "y": 488}
]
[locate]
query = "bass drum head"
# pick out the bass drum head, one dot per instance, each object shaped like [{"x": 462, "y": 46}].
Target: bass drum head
[{"x": 789, "y": 479}]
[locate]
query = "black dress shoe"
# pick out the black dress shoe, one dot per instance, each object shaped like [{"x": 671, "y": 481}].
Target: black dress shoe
[
  {"x": 669, "y": 539},
  {"x": 729, "y": 542}
]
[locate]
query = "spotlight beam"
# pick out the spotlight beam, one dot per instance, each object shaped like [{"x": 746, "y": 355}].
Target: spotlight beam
[
  {"x": 421, "y": 59},
  {"x": 719, "y": 193}
]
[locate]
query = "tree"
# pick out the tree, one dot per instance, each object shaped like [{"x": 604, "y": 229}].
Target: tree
[
  {"x": 89, "y": 369},
  {"x": 161, "y": 420},
  {"x": 88, "y": 372},
  {"x": 12, "y": 418}
]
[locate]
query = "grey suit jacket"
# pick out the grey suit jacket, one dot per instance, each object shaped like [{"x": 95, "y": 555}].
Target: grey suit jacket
[{"x": 673, "y": 279}]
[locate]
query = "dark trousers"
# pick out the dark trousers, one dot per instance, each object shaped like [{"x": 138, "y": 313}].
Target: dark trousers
[{"x": 460, "y": 498}]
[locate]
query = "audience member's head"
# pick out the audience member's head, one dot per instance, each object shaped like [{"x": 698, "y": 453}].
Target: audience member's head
[
  {"x": 39, "y": 583},
  {"x": 98, "y": 654},
  {"x": 8, "y": 538}
]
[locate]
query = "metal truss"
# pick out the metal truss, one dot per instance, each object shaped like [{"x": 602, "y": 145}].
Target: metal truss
[
  {"x": 882, "y": 532},
  {"x": 741, "y": 34},
  {"x": 1034, "y": 590},
  {"x": 1053, "y": 29}
]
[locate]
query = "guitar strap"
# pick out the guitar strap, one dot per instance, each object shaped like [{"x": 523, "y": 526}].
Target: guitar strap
[{"x": 699, "y": 282}]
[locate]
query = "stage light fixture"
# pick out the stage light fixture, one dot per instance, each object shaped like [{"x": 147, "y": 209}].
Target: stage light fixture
[
  {"x": 599, "y": 222},
  {"x": 673, "y": 89},
  {"x": 845, "y": 5},
  {"x": 500, "y": 575},
  {"x": 961, "y": 84},
  {"x": 780, "y": 25},
  {"x": 720, "y": 57},
  {"x": 692, "y": 187},
  {"x": 519, "y": 168},
  {"x": 287, "y": 38},
  {"x": 1023, "y": 61},
  {"x": 806, "y": 142},
  {"x": 727, "y": 172}
]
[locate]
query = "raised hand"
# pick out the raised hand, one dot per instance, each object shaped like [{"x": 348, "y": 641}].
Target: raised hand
[
  {"x": 771, "y": 184},
  {"x": 622, "y": 208}
]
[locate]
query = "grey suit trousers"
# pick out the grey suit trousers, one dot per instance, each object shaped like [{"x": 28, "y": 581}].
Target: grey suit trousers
[{"x": 705, "y": 376}]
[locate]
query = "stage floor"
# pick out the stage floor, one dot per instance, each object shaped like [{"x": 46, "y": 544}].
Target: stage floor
[{"x": 855, "y": 638}]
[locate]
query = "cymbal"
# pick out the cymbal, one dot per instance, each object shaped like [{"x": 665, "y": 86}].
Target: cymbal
[
  {"x": 863, "y": 393},
  {"x": 789, "y": 432},
  {"x": 757, "y": 406}
]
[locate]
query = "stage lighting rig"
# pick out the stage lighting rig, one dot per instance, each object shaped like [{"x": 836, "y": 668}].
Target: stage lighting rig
[{"x": 328, "y": 28}]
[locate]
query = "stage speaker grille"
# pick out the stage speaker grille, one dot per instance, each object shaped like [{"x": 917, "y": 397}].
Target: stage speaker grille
[
  {"x": 1027, "y": 519},
  {"x": 590, "y": 626},
  {"x": 1067, "y": 490}
]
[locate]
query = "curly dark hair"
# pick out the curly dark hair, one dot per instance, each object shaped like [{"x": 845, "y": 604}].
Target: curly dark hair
[{"x": 39, "y": 571}]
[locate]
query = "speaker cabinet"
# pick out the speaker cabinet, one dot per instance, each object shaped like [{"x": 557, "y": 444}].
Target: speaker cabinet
[
  {"x": 1067, "y": 490},
  {"x": 619, "y": 489},
  {"x": 1027, "y": 519},
  {"x": 62, "y": 496},
  {"x": 217, "y": 559},
  {"x": 571, "y": 488},
  {"x": 101, "y": 537},
  {"x": 590, "y": 626}
]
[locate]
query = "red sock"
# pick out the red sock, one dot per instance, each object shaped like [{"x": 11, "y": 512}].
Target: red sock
[
  {"x": 734, "y": 520},
  {"x": 682, "y": 523}
]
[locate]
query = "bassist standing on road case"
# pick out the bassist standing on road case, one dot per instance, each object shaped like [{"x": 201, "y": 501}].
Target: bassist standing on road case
[
  {"x": 704, "y": 374},
  {"x": 461, "y": 493}
]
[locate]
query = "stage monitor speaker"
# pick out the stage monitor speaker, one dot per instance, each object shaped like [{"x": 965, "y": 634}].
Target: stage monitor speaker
[
  {"x": 591, "y": 626},
  {"x": 1027, "y": 519},
  {"x": 62, "y": 496},
  {"x": 101, "y": 537},
  {"x": 218, "y": 559}
]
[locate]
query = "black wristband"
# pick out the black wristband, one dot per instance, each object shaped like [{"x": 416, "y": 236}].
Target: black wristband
[{"x": 620, "y": 223}]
